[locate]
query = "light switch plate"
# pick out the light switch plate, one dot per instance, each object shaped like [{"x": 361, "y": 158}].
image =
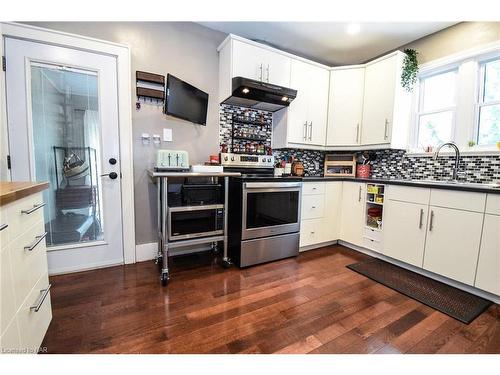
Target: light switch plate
[{"x": 167, "y": 135}]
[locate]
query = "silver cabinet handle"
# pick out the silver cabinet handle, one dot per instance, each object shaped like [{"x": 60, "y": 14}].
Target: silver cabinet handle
[
  {"x": 33, "y": 209},
  {"x": 38, "y": 305},
  {"x": 312, "y": 232},
  {"x": 431, "y": 222},
  {"x": 267, "y": 73},
  {"x": 420, "y": 223},
  {"x": 313, "y": 206},
  {"x": 385, "y": 128},
  {"x": 260, "y": 72},
  {"x": 305, "y": 131},
  {"x": 38, "y": 239},
  {"x": 3, "y": 226},
  {"x": 359, "y": 194},
  {"x": 310, "y": 131},
  {"x": 357, "y": 133}
]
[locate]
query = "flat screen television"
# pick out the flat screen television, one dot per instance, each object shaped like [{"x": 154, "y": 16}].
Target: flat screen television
[{"x": 185, "y": 101}]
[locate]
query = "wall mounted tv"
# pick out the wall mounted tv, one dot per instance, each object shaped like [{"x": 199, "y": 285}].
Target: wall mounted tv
[{"x": 185, "y": 101}]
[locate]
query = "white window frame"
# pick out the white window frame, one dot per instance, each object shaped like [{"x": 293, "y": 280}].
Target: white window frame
[
  {"x": 466, "y": 118},
  {"x": 480, "y": 95},
  {"x": 420, "y": 102}
]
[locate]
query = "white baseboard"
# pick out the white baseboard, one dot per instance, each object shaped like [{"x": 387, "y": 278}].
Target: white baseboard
[
  {"x": 148, "y": 251},
  {"x": 90, "y": 266},
  {"x": 317, "y": 245},
  {"x": 473, "y": 290}
]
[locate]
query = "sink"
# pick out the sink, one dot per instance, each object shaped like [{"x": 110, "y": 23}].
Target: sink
[{"x": 490, "y": 185}]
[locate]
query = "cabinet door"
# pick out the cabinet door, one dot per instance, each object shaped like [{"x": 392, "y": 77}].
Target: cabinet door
[
  {"x": 276, "y": 69},
  {"x": 331, "y": 219},
  {"x": 452, "y": 244},
  {"x": 378, "y": 103},
  {"x": 352, "y": 223},
  {"x": 297, "y": 120},
  {"x": 248, "y": 61},
  {"x": 311, "y": 232},
  {"x": 345, "y": 109},
  {"x": 317, "y": 108},
  {"x": 405, "y": 226},
  {"x": 488, "y": 268}
]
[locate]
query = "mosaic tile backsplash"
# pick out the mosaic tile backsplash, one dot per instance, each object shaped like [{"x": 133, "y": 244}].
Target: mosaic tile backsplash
[{"x": 387, "y": 164}]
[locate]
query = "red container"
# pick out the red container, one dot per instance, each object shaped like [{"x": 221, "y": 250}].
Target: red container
[{"x": 363, "y": 171}]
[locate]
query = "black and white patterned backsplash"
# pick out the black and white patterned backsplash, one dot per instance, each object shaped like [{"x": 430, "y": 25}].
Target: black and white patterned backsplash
[{"x": 388, "y": 163}]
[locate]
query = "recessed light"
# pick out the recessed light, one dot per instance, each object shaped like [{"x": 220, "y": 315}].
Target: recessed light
[
  {"x": 353, "y": 28},
  {"x": 245, "y": 91},
  {"x": 284, "y": 98}
]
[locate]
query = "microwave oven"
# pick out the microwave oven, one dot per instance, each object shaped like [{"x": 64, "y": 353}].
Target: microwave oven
[{"x": 188, "y": 222}]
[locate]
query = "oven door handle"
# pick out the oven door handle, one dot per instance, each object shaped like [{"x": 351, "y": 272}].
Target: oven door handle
[{"x": 272, "y": 185}]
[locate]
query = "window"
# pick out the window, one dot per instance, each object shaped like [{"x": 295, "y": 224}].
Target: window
[
  {"x": 437, "y": 107},
  {"x": 488, "y": 123}
]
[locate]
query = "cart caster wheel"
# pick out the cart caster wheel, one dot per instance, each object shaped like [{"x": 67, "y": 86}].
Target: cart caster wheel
[
  {"x": 226, "y": 263},
  {"x": 164, "y": 279}
]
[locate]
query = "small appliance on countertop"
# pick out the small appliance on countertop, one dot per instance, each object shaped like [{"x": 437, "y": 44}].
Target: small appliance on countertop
[{"x": 172, "y": 160}]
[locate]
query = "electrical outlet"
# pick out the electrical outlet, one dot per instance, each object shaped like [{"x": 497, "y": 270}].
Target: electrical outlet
[{"x": 167, "y": 135}]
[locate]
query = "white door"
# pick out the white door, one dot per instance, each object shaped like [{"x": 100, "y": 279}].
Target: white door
[
  {"x": 405, "y": 227},
  {"x": 63, "y": 128},
  {"x": 345, "y": 108},
  {"x": 488, "y": 267},
  {"x": 319, "y": 79},
  {"x": 452, "y": 244},
  {"x": 333, "y": 201},
  {"x": 378, "y": 104},
  {"x": 352, "y": 223},
  {"x": 248, "y": 61},
  {"x": 276, "y": 69}
]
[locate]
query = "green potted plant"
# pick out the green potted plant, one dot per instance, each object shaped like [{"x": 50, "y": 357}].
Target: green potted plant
[{"x": 410, "y": 69}]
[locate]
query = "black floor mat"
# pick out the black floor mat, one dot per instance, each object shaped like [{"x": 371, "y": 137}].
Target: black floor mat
[{"x": 454, "y": 302}]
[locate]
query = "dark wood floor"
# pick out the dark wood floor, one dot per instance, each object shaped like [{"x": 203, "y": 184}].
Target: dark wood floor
[{"x": 308, "y": 304}]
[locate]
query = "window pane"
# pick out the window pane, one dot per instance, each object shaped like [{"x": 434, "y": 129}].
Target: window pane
[
  {"x": 489, "y": 125},
  {"x": 492, "y": 81},
  {"x": 439, "y": 91},
  {"x": 435, "y": 129}
]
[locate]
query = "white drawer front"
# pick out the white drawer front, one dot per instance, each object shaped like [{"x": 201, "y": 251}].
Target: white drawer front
[
  {"x": 18, "y": 221},
  {"x": 310, "y": 232},
  {"x": 408, "y": 194},
  {"x": 310, "y": 188},
  {"x": 313, "y": 207},
  {"x": 460, "y": 200},
  {"x": 27, "y": 265},
  {"x": 373, "y": 234},
  {"x": 372, "y": 244},
  {"x": 33, "y": 324},
  {"x": 493, "y": 204}
]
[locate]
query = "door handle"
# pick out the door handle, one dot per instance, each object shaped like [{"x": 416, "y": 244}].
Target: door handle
[
  {"x": 305, "y": 131},
  {"x": 260, "y": 72},
  {"x": 3, "y": 226},
  {"x": 33, "y": 209},
  {"x": 431, "y": 222},
  {"x": 420, "y": 223},
  {"x": 310, "y": 131},
  {"x": 39, "y": 304},
  {"x": 267, "y": 73},
  {"x": 111, "y": 175},
  {"x": 385, "y": 128},
  {"x": 357, "y": 133},
  {"x": 359, "y": 194},
  {"x": 38, "y": 239}
]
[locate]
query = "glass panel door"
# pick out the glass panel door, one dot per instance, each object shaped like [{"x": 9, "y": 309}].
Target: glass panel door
[
  {"x": 67, "y": 152},
  {"x": 266, "y": 209}
]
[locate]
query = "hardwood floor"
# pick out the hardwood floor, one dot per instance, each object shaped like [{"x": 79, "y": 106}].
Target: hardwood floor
[{"x": 308, "y": 304}]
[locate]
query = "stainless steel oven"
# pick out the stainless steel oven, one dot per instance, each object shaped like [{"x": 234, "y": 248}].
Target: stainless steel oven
[
  {"x": 270, "y": 209},
  {"x": 185, "y": 222}
]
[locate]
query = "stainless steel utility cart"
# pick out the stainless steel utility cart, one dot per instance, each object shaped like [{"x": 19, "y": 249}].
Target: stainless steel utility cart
[{"x": 164, "y": 242}]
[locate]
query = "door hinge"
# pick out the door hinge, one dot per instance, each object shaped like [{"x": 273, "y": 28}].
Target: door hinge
[
  {"x": 8, "y": 162},
  {"x": 4, "y": 64}
]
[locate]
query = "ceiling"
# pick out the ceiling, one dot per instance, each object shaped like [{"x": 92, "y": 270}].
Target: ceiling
[{"x": 329, "y": 42}]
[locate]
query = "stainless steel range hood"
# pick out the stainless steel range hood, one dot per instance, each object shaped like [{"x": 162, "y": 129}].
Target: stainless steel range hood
[{"x": 259, "y": 95}]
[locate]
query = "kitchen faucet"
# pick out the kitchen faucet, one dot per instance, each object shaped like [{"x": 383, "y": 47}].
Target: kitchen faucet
[{"x": 457, "y": 157}]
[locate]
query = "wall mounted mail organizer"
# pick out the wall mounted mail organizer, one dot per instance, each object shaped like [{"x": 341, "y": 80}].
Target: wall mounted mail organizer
[{"x": 150, "y": 85}]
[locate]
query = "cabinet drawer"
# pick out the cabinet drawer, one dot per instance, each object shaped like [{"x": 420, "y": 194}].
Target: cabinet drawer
[
  {"x": 28, "y": 265},
  {"x": 312, "y": 206},
  {"x": 310, "y": 188},
  {"x": 460, "y": 200},
  {"x": 493, "y": 204},
  {"x": 373, "y": 234},
  {"x": 33, "y": 324},
  {"x": 18, "y": 220},
  {"x": 311, "y": 232},
  {"x": 408, "y": 194},
  {"x": 372, "y": 244}
]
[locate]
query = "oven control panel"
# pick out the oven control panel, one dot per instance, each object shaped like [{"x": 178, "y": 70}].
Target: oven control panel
[{"x": 243, "y": 160}]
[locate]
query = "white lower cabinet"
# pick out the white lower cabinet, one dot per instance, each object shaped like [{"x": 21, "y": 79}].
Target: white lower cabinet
[
  {"x": 311, "y": 232},
  {"x": 332, "y": 217},
  {"x": 405, "y": 226},
  {"x": 352, "y": 208},
  {"x": 488, "y": 267},
  {"x": 452, "y": 245}
]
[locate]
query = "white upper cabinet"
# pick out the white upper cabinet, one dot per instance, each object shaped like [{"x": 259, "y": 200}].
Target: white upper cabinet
[
  {"x": 238, "y": 58},
  {"x": 345, "y": 106},
  {"x": 305, "y": 120},
  {"x": 386, "y": 105}
]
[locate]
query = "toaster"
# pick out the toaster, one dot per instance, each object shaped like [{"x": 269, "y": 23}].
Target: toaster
[{"x": 172, "y": 160}]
